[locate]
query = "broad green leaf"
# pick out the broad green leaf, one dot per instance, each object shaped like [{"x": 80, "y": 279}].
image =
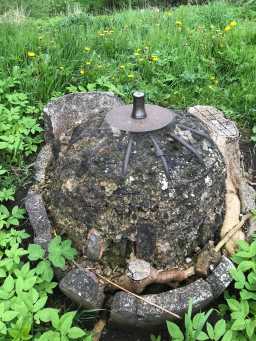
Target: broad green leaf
[
  {"x": 75, "y": 333},
  {"x": 35, "y": 252},
  {"x": 210, "y": 330},
  {"x": 238, "y": 276},
  {"x": 228, "y": 336},
  {"x": 66, "y": 321},
  {"x": 233, "y": 304},
  {"x": 250, "y": 327},
  {"x": 8, "y": 285},
  {"x": 247, "y": 295},
  {"x": 40, "y": 304},
  {"x": 9, "y": 315},
  {"x": 239, "y": 324},
  {"x": 202, "y": 336},
  {"x": 174, "y": 331},
  {"x": 2, "y": 273},
  {"x": 3, "y": 329},
  {"x": 48, "y": 315},
  {"x": 57, "y": 260},
  {"x": 219, "y": 329},
  {"x": 246, "y": 265},
  {"x": 44, "y": 269}
]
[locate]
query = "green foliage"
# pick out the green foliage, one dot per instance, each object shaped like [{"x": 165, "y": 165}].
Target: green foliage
[
  {"x": 239, "y": 311},
  {"x": 195, "y": 328},
  {"x": 203, "y": 63},
  {"x": 24, "y": 288},
  {"x": 58, "y": 252},
  {"x": 18, "y": 127}
]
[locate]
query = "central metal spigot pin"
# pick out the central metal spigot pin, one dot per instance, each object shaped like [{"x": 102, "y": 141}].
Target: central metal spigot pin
[
  {"x": 146, "y": 118},
  {"x": 140, "y": 117},
  {"x": 138, "y": 110}
]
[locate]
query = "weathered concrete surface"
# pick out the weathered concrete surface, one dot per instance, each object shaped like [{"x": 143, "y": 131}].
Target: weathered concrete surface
[
  {"x": 220, "y": 278},
  {"x": 38, "y": 218},
  {"x": 126, "y": 309},
  {"x": 83, "y": 288},
  {"x": 84, "y": 187},
  {"x": 61, "y": 116},
  {"x": 72, "y": 123}
]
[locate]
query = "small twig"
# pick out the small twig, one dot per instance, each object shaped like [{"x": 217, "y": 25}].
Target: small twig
[
  {"x": 230, "y": 233},
  {"x": 98, "y": 329},
  {"x": 130, "y": 293}
]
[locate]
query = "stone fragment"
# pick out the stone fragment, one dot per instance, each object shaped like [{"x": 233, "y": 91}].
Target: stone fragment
[
  {"x": 220, "y": 279},
  {"x": 95, "y": 245},
  {"x": 129, "y": 310},
  {"x": 83, "y": 288},
  {"x": 124, "y": 309},
  {"x": 38, "y": 218},
  {"x": 42, "y": 162},
  {"x": 138, "y": 269},
  {"x": 207, "y": 257}
]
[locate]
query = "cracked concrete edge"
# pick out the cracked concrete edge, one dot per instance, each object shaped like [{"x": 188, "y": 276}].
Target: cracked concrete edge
[
  {"x": 43, "y": 160},
  {"x": 38, "y": 218},
  {"x": 128, "y": 310},
  {"x": 79, "y": 286}
]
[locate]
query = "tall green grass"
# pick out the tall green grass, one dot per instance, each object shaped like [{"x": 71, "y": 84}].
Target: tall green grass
[{"x": 196, "y": 61}]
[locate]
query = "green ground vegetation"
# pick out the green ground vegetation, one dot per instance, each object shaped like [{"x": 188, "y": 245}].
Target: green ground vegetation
[{"x": 180, "y": 57}]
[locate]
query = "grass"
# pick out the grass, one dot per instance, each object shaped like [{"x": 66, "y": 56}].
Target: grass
[{"x": 179, "y": 58}]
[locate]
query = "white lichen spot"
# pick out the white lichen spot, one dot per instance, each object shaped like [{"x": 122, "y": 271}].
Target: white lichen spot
[
  {"x": 172, "y": 193},
  {"x": 208, "y": 181},
  {"x": 163, "y": 181},
  {"x": 130, "y": 180},
  {"x": 116, "y": 132}
]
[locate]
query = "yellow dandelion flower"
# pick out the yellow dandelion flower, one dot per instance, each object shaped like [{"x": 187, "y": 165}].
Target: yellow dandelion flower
[
  {"x": 168, "y": 13},
  {"x": 82, "y": 72},
  {"x": 154, "y": 58},
  {"x": 87, "y": 49},
  {"x": 31, "y": 54},
  {"x": 232, "y": 23},
  {"x": 122, "y": 67},
  {"x": 227, "y": 28},
  {"x": 178, "y": 23},
  {"x": 130, "y": 76},
  {"x": 88, "y": 62}
]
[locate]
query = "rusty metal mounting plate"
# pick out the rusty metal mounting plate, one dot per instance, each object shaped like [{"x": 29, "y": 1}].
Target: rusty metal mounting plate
[{"x": 157, "y": 118}]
